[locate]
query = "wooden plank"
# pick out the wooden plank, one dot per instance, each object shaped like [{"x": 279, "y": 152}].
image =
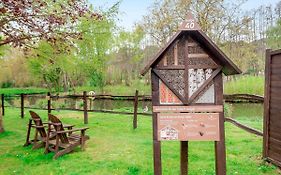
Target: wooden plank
[
  {"x": 198, "y": 55},
  {"x": 22, "y": 105},
  {"x": 156, "y": 144},
  {"x": 207, "y": 108},
  {"x": 276, "y": 97},
  {"x": 27, "y": 142},
  {"x": 274, "y": 162},
  {"x": 275, "y": 103},
  {"x": 275, "y": 91},
  {"x": 184, "y": 157},
  {"x": 275, "y": 156},
  {"x": 185, "y": 75},
  {"x": 3, "y": 104},
  {"x": 192, "y": 44},
  {"x": 276, "y": 52},
  {"x": 275, "y": 123},
  {"x": 165, "y": 63},
  {"x": 188, "y": 126},
  {"x": 244, "y": 127},
  {"x": 275, "y": 152},
  {"x": 135, "y": 120},
  {"x": 276, "y": 83},
  {"x": 275, "y": 112},
  {"x": 176, "y": 60},
  {"x": 49, "y": 102},
  {"x": 201, "y": 66},
  {"x": 274, "y": 106},
  {"x": 275, "y": 77},
  {"x": 274, "y": 135},
  {"x": 220, "y": 153},
  {"x": 275, "y": 141},
  {"x": 273, "y": 66},
  {"x": 171, "y": 67},
  {"x": 266, "y": 102},
  {"x": 276, "y": 60},
  {"x": 276, "y": 148},
  {"x": 276, "y": 71},
  {"x": 273, "y": 129}
]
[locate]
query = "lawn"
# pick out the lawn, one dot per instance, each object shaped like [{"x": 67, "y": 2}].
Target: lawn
[{"x": 115, "y": 148}]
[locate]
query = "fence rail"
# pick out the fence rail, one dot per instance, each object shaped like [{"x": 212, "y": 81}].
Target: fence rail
[
  {"x": 135, "y": 99},
  {"x": 234, "y": 98}
]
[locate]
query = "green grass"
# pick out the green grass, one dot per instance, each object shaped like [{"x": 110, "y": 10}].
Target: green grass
[
  {"x": 245, "y": 84},
  {"x": 15, "y": 91},
  {"x": 238, "y": 85},
  {"x": 120, "y": 89},
  {"x": 115, "y": 148}
]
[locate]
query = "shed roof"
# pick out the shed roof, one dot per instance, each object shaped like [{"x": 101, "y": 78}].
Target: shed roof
[{"x": 229, "y": 68}]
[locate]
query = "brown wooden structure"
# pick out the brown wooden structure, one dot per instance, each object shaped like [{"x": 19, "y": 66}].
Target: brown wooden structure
[
  {"x": 40, "y": 132},
  {"x": 187, "y": 93},
  {"x": 272, "y": 108},
  {"x": 63, "y": 143}
]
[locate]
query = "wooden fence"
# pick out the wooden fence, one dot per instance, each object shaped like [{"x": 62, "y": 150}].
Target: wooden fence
[
  {"x": 135, "y": 99},
  {"x": 85, "y": 98}
]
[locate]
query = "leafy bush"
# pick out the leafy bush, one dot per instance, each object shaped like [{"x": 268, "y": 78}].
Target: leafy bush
[{"x": 7, "y": 84}]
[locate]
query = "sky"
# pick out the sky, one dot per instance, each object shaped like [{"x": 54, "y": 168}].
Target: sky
[{"x": 133, "y": 10}]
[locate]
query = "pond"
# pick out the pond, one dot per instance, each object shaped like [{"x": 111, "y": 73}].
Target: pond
[{"x": 247, "y": 110}]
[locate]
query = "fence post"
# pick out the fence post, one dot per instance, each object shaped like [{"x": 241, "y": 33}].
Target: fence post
[
  {"x": 85, "y": 107},
  {"x": 135, "y": 120},
  {"x": 49, "y": 102},
  {"x": 3, "y": 101},
  {"x": 22, "y": 105}
]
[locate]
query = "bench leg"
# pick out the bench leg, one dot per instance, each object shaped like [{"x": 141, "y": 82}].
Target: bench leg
[{"x": 27, "y": 142}]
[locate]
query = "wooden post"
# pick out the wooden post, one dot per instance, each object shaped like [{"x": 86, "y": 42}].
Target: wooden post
[
  {"x": 266, "y": 103},
  {"x": 3, "y": 101},
  {"x": 156, "y": 144},
  {"x": 135, "y": 120},
  {"x": 22, "y": 105},
  {"x": 27, "y": 142},
  {"x": 85, "y": 107},
  {"x": 184, "y": 157},
  {"x": 49, "y": 102},
  {"x": 220, "y": 145}
]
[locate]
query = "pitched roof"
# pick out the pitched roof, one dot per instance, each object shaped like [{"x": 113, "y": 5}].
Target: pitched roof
[{"x": 229, "y": 68}]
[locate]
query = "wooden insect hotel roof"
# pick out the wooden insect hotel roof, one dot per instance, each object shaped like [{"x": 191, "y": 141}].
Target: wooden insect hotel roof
[{"x": 190, "y": 28}]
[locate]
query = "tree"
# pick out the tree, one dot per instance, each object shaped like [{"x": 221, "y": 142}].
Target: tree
[
  {"x": 96, "y": 44},
  {"x": 23, "y": 22},
  {"x": 274, "y": 36},
  {"x": 165, "y": 16},
  {"x": 129, "y": 53}
]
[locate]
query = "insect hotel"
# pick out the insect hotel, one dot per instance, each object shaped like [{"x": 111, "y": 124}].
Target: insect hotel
[{"x": 187, "y": 94}]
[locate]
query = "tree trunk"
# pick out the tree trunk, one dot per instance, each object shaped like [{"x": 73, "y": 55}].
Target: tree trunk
[{"x": 1, "y": 121}]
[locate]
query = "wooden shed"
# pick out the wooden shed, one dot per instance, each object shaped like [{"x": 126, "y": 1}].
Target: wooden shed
[
  {"x": 187, "y": 86},
  {"x": 272, "y": 108}
]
